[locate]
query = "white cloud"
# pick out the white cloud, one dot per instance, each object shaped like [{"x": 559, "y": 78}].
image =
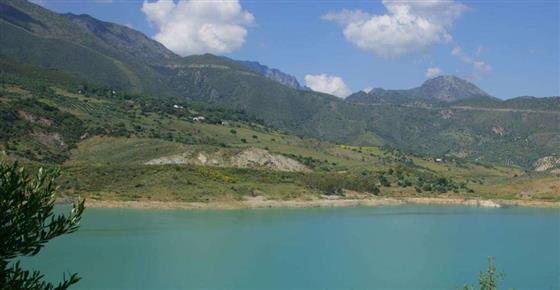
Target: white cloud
[
  {"x": 327, "y": 84},
  {"x": 480, "y": 49},
  {"x": 194, "y": 27},
  {"x": 433, "y": 72},
  {"x": 408, "y": 26},
  {"x": 456, "y": 51},
  {"x": 480, "y": 67}
]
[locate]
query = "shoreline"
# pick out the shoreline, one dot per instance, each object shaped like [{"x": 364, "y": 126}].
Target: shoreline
[{"x": 257, "y": 203}]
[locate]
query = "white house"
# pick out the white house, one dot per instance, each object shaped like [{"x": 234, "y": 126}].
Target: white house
[{"x": 198, "y": 119}]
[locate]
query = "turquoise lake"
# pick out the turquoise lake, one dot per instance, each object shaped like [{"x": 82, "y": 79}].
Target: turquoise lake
[{"x": 401, "y": 247}]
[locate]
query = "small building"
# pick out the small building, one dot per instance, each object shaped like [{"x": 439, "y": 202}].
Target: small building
[
  {"x": 439, "y": 160},
  {"x": 177, "y": 107},
  {"x": 198, "y": 119}
]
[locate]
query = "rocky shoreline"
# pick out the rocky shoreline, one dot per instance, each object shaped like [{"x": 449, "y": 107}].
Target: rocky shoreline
[{"x": 260, "y": 202}]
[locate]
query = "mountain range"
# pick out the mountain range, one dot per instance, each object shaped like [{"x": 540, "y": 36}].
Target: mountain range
[{"x": 444, "y": 116}]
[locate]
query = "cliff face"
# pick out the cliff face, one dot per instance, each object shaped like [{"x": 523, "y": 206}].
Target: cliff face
[{"x": 273, "y": 74}]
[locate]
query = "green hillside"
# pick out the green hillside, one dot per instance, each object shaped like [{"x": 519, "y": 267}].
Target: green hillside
[{"x": 118, "y": 146}]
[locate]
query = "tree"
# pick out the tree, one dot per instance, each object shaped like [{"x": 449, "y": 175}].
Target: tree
[
  {"x": 488, "y": 280},
  {"x": 383, "y": 181},
  {"x": 28, "y": 222}
]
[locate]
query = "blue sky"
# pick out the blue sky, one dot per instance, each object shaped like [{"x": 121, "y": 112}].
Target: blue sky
[{"x": 508, "y": 48}]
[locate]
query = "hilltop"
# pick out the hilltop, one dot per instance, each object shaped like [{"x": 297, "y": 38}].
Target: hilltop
[{"x": 438, "y": 90}]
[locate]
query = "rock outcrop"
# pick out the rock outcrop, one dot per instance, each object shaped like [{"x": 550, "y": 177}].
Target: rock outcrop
[{"x": 245, "y": 158}]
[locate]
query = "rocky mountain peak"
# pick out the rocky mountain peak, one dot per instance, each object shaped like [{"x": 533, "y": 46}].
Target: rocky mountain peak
[{"x": 449, "y": 88}]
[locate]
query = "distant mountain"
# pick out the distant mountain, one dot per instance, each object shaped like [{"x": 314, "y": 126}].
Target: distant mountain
[
  {"x": 439, "y": 89},
  {"x": 448, "y": 89},
  {"x": 273, "y": 74}
]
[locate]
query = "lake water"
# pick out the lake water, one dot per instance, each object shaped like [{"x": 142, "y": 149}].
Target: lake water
[{"x": 404, "y": 247}]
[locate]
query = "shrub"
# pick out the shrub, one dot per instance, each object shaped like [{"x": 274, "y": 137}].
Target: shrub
[
  {"x": 334, "y": 183},
  {"x": 488, "y": 280}
]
